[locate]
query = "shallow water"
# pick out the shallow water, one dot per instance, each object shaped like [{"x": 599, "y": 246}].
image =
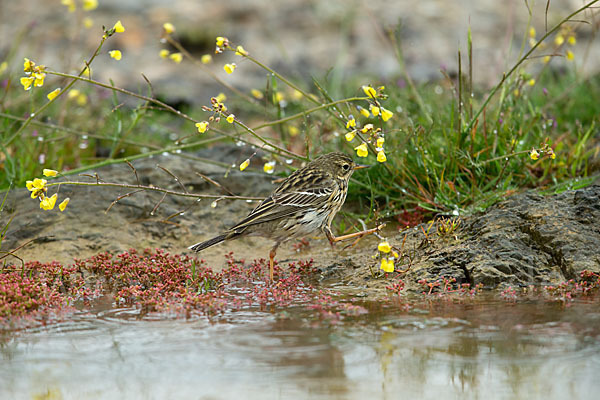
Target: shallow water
[{"x": 486, "y": 348}]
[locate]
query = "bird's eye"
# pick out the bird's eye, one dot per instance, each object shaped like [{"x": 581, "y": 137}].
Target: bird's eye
[{"x": 346, "y": 167}]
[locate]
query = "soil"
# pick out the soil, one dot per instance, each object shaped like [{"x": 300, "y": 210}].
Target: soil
[{"x": 523, "y": 240}]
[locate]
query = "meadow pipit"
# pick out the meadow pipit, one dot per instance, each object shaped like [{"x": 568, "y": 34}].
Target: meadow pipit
[{"x": 305, "y": 202}]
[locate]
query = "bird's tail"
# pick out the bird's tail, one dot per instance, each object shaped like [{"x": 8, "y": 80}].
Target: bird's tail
[{"x": 211, "y": 242}]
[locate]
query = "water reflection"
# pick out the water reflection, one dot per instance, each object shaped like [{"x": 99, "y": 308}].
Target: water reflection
[{"x": 487, "y": 349}]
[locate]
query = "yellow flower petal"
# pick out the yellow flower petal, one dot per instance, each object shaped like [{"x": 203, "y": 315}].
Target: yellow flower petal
[
  {"x": 294, "y": 131},
  {"x": 206, "y": 59},
  {"x": 28, "y": 65},
  {"x": 29, "y": 185},
  {"x": 386, "y": 114},
  {"x": 257, "y": 94},
  {"x": 350, "y": 136},
  {"x": 387, "y": 265},
  {"x": 559, "y": 39},
  {"x": 69, "y": 3},
  {"x": 116, "y": 54},
  {"x": 48, "y": 202},
  {"x": 202, "y": 126},
  {"x": 230, "y": 118},
  {"x": 351, "y": 123},
  {"x": 571, "y": 40},
  {"x": 570, "y": 56},
  {"x": 63, "y": 204},
  {"x": 374, "y": 110},
  {"x": 244, "y": 165},
  {"x": 531, "y": 82},
  {"x": 362, "y": 150},
  {"x": 384, "y": 247},
  {"x": 546, "y": 59},
  {"x": 27, "y": 82},
  {"x": 269, "y": 167},
  {"x": 532, "y": 32},
  {"x": 381, "y": 157},
  {"x": 89, "y": 5},
  {"x": 367, "y": 128},
  {"x": 380, "y": 141},
  {"x": 50, "y": 172},
  {"x": 164, "y": 53},
  {"x": 177, "y": 57},
  {"x": 534, "y": 155},
  {"x": 221, "y": 98},
  {"x": 369, "y": 91},
  {"x": 118, "y": 27},
  {"x": 363, "y": 111},
  {"x": 222, "y": 41},
  {"x": 88, "y": 22},
  {"x": 169, "y": 28},
  {"x": 229, "y": 68}
]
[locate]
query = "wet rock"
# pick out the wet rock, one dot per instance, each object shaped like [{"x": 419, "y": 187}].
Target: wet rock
[{"x": 528, "y": 239}]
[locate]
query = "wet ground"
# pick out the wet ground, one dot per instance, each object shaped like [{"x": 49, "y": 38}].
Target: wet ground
[{"x": 483, "y": 348}]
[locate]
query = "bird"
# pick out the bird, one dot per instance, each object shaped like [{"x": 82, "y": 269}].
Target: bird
[{"x": 304, "y": 203}]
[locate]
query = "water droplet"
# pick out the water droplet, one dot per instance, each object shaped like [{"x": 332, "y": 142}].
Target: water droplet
[
  {"x": 178, "y": 151},
  {"x": 32, "y": 115},
  {"x": 289, "y": 161}
]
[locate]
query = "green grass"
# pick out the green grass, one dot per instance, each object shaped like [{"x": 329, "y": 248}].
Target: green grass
[{"x": 447, "y": 151}]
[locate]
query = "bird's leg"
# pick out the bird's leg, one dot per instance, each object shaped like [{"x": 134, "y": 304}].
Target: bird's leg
[
  {"x": 271, "y": 257},
  {"x": 333, "y": 239}
]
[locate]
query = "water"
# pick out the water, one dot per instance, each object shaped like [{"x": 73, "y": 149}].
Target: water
[{"x": 482, "y": 349}]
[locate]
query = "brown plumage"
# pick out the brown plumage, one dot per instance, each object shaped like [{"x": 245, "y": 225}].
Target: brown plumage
[{"x": 305, "y": 202}]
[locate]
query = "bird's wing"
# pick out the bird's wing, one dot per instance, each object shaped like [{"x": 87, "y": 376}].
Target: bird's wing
[{"x": 284, "y": 203}]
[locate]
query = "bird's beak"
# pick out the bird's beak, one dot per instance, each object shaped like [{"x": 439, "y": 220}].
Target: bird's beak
[{"x": 360, "y": 166}]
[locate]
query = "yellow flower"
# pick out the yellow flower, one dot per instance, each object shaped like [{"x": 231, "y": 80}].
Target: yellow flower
[
  {"x": 164, "y": 53},
  {"x": 177, "y": 57},
  {"x": 240, "y": 51},
  {"x": 27, "y": 82},
  {"x": 531, "y": 82},
  {"x": 570, "y": 55},
  {"x": 362, "y": 150},
  {"x": 116, "y": 54},
  {"x": 374, "y": 110},
  {"x": 546, "y": 59},
  {"x": 53, "y": 94},
  {"x": 269, "y": 167},
  {"x": 118, "y": 27},
  {"x": 380, "y": 142},
  {"x": 381, "y": 156},
  {"x": 363, "y": 111},
  {"x": 73, "y": 93},
  {"x": 87, "y": 71},
  {"x": 202, "y": 126},
  {"x": 169, "y": 28},
  {"x": 63, "y": 204},
  {"x": 297, "y": 95},
  {"x": 82, "y": 99},
  {"x": 367, "y": 128},
  {"x": 384, "y": 247},
  {"x": 351, "y": 123},
  {"x": 571, "y": 40},
  {"x": 386, "y": 114},
  {"x": 229, "y": 68},
  {"x": 48, "y": 202},
  {"x": 28, "y": 65},
  {"x": 516, "y": 92},
  {"x": 39, "y": 79},
  {"x": 221, "y": 97},
  {"x": 222, "y": 41},
  {"x": 49, "y": 172},
  {"x": 279, "y": 97},
  {"x": 244, "y": 165},
  {"x": 230, "y": 118},
  {"x": 369, "y": 91},
  {"x": 88, "y": 22},
  {"x": 206, "y": 59},
  {"x": 69, "y": 3},
  {"x": 553, "y": 155},
  {"x": 387, "y": 265},
  {"x": 36, "y": 187},
  {"x": 89, "y": 5},
  {"x": 350, "y": 136},
  {"x": 257, "y": 94},
  {"x": 294, "y": 131},
  {"x": 559, "y": 39},
  {"x": 534, "y": 155},
  {"x": 532, "y": 32}
]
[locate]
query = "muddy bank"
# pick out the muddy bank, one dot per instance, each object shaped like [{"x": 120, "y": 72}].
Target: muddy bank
[{"x": 526, "y": 239}]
